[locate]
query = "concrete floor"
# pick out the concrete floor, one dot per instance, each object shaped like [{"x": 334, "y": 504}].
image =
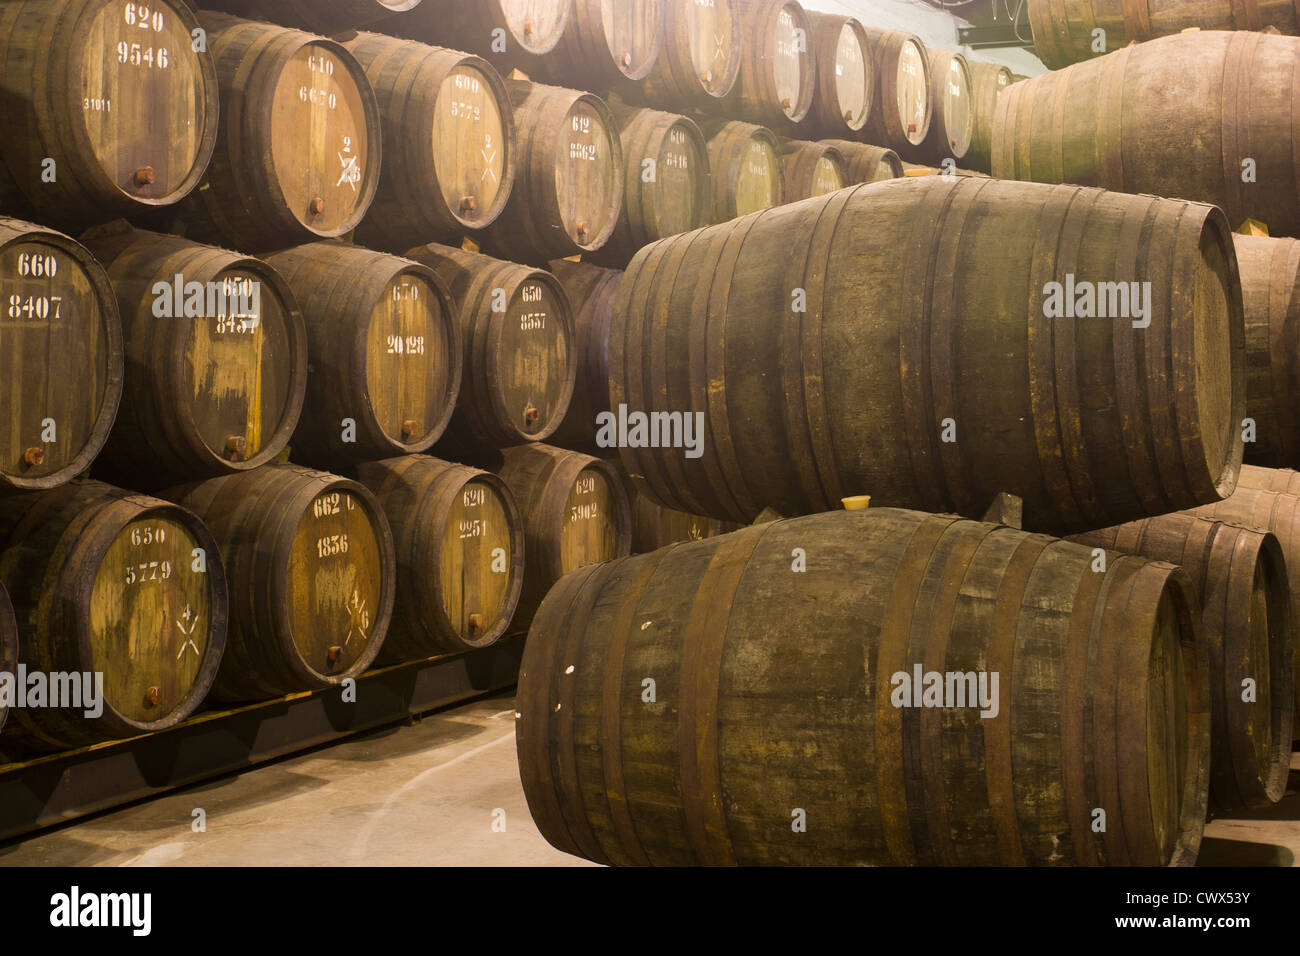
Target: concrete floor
[{"x": 425, "y": 795}]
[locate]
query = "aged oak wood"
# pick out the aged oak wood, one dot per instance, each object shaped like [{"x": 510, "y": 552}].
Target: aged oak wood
[
  {"x": 894, "y": 339},
  {"x": 449, "y": 142},
  {"x": 745, "y": 165},
  {"x": 312, "y": 576},
  {"x": 516, "y": 330},
  {"x": 988, "y": 81},
  {"x": 952, "y": 126},
  {"x": 593, "y": 291},
  {"x": 1063, "y": 30},
  {"x": 384, "y": 345},
  {"x": 8, "y": 644},
  {"x": 1270, "y": 290},
  {"x": 1140, "y": 120},
  {"x": 903, "y": 112},
  {"x": 1240, "y": 579},
  {"x": 866, "y": 163},
  {"x": 778, "y": 63},
  {"x": 109, "y": 582},
  {"x": 61, "y": 357},
  {"x": 109, "y": 110},
  {"x": 509, "y": 33},
  {"x": 775, "y": 701},
  {"x": 569, "y": 191},
  {"x": 320, "y": 16},
  {"x": 699, "y": 63},
  {"x": 215, "y": 386},
  {"x": 846, "y": 77},
  {"x": 667, "y": 183},
  {"x": 576, "y": 512},
  {"x": 608, "y": 44},
  {"x": 811, "y": 169},
  {"x": 300, "y": 149},
  {"x": 459, "y": 540}
]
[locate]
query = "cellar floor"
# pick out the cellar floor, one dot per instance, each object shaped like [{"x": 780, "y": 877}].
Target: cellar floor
[{"x": 426, "y": 794}]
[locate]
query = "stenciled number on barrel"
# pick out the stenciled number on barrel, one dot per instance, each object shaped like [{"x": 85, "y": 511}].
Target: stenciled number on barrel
[{"x": 144, "y": 571}]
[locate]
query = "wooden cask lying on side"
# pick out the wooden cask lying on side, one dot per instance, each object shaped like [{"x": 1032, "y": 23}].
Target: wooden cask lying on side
[
  {"x": 655, "y": 527},
  {"x": 1240, "y": 578},
  {"x": 952, "y": 126},
  {"x": 384, "y": 346},
  {"x": 8, "y": 645},
  {"x": 576, "y": 512},
  {"x": 593, "y": 292},
  {"x": 846, "y": 77},
  {"x": 1275, "y": 508},
  {"x": 699, "y": 62},
  {"x": 745, "y": 165},
  {"x": 868, "y": 164},
  {"x": 1141, "y": 120},
  {"x": 778, "y": 63},
  {"x": 667, "y": 187},
  {"x": 109, "y": 110},
  {"x": 516, "y": 332},
  {"x": 449, "y": 142},
  {"x": 105, "y": 581},
  {"x": 312, "y": 574},
  {"x": 606, "y": 45},
  {"x": 216, "y": 351},
  {"x": 1270, "y": 292},
  {"x": 320, "y": 16},
  {"x": 459, "y": 540},
  {"x": 792, "y": 693},
  {"x": 878, "y": 386},
  {"x": 1065, "y": 30},
  {"x": 988, "y": 81},
  {"x": 902, "y": 112},
  {"x": 569, "y": 189},
  {"x": 299, "y": 153},
  {"x": 508, "y": 33},
  {"x": 61, "y": 357},
  {"x": 811, "y": 169}
]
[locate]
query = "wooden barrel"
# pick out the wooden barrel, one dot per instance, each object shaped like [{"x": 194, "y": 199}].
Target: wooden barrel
[
  {"x": 306, "y": 165},
  {"x": 869, "y": 382},
  {"x": 1191, "y": 133},
  {"x": 384, "y": 347},
  {"x": 778, "y": 67},
  {"x": 745, "y": 165},
  {"x": 1276, "y": 511},
  {"x": 593, "y": 291},
  {"x": 509, "y": 33},
  {"x": 449, "y": 142},
  {"x": 8, "y": 645},
  {"x": 59, "y": 328},
  {"x": 216, "y": 348},
  {"x": 655, "y": 527},
  {"x": 312, "y": 576},
  {"x": 722, "y": 709},
  {"x": 952, "y": 126},
  {"x": 666, "y": 183},
  {"x": 109, "y": 110},
  {"x": 333, "y": 16},
  {"x": 516, "y": 329},
  {"x": 1270, "y": 292},
  {"x": 866, "y": 163},
  {"x": 846, "y": 77},
  {"x": 1065, "y": 30},
  {"x": 902, "y": 112},
  {"x": 1240, "y": 579},
  {"x": 699, "y": 62},
  {"x": 988, "y": 81},
  {"x": 107, "y": 582},
  {"x": 569, "y": 191},
  {"x": 576, "y": 512},
  {"x": 606, "y": 45},
  {"x": 811, "y": 169},
  {"x": 459, "y": 540}
]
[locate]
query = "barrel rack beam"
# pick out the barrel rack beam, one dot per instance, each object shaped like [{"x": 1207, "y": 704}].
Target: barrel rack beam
[{"x": 53, "y": 789}]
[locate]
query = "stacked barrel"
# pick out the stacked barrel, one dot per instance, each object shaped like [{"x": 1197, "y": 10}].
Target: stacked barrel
[{"x": 397, "y": 326}]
